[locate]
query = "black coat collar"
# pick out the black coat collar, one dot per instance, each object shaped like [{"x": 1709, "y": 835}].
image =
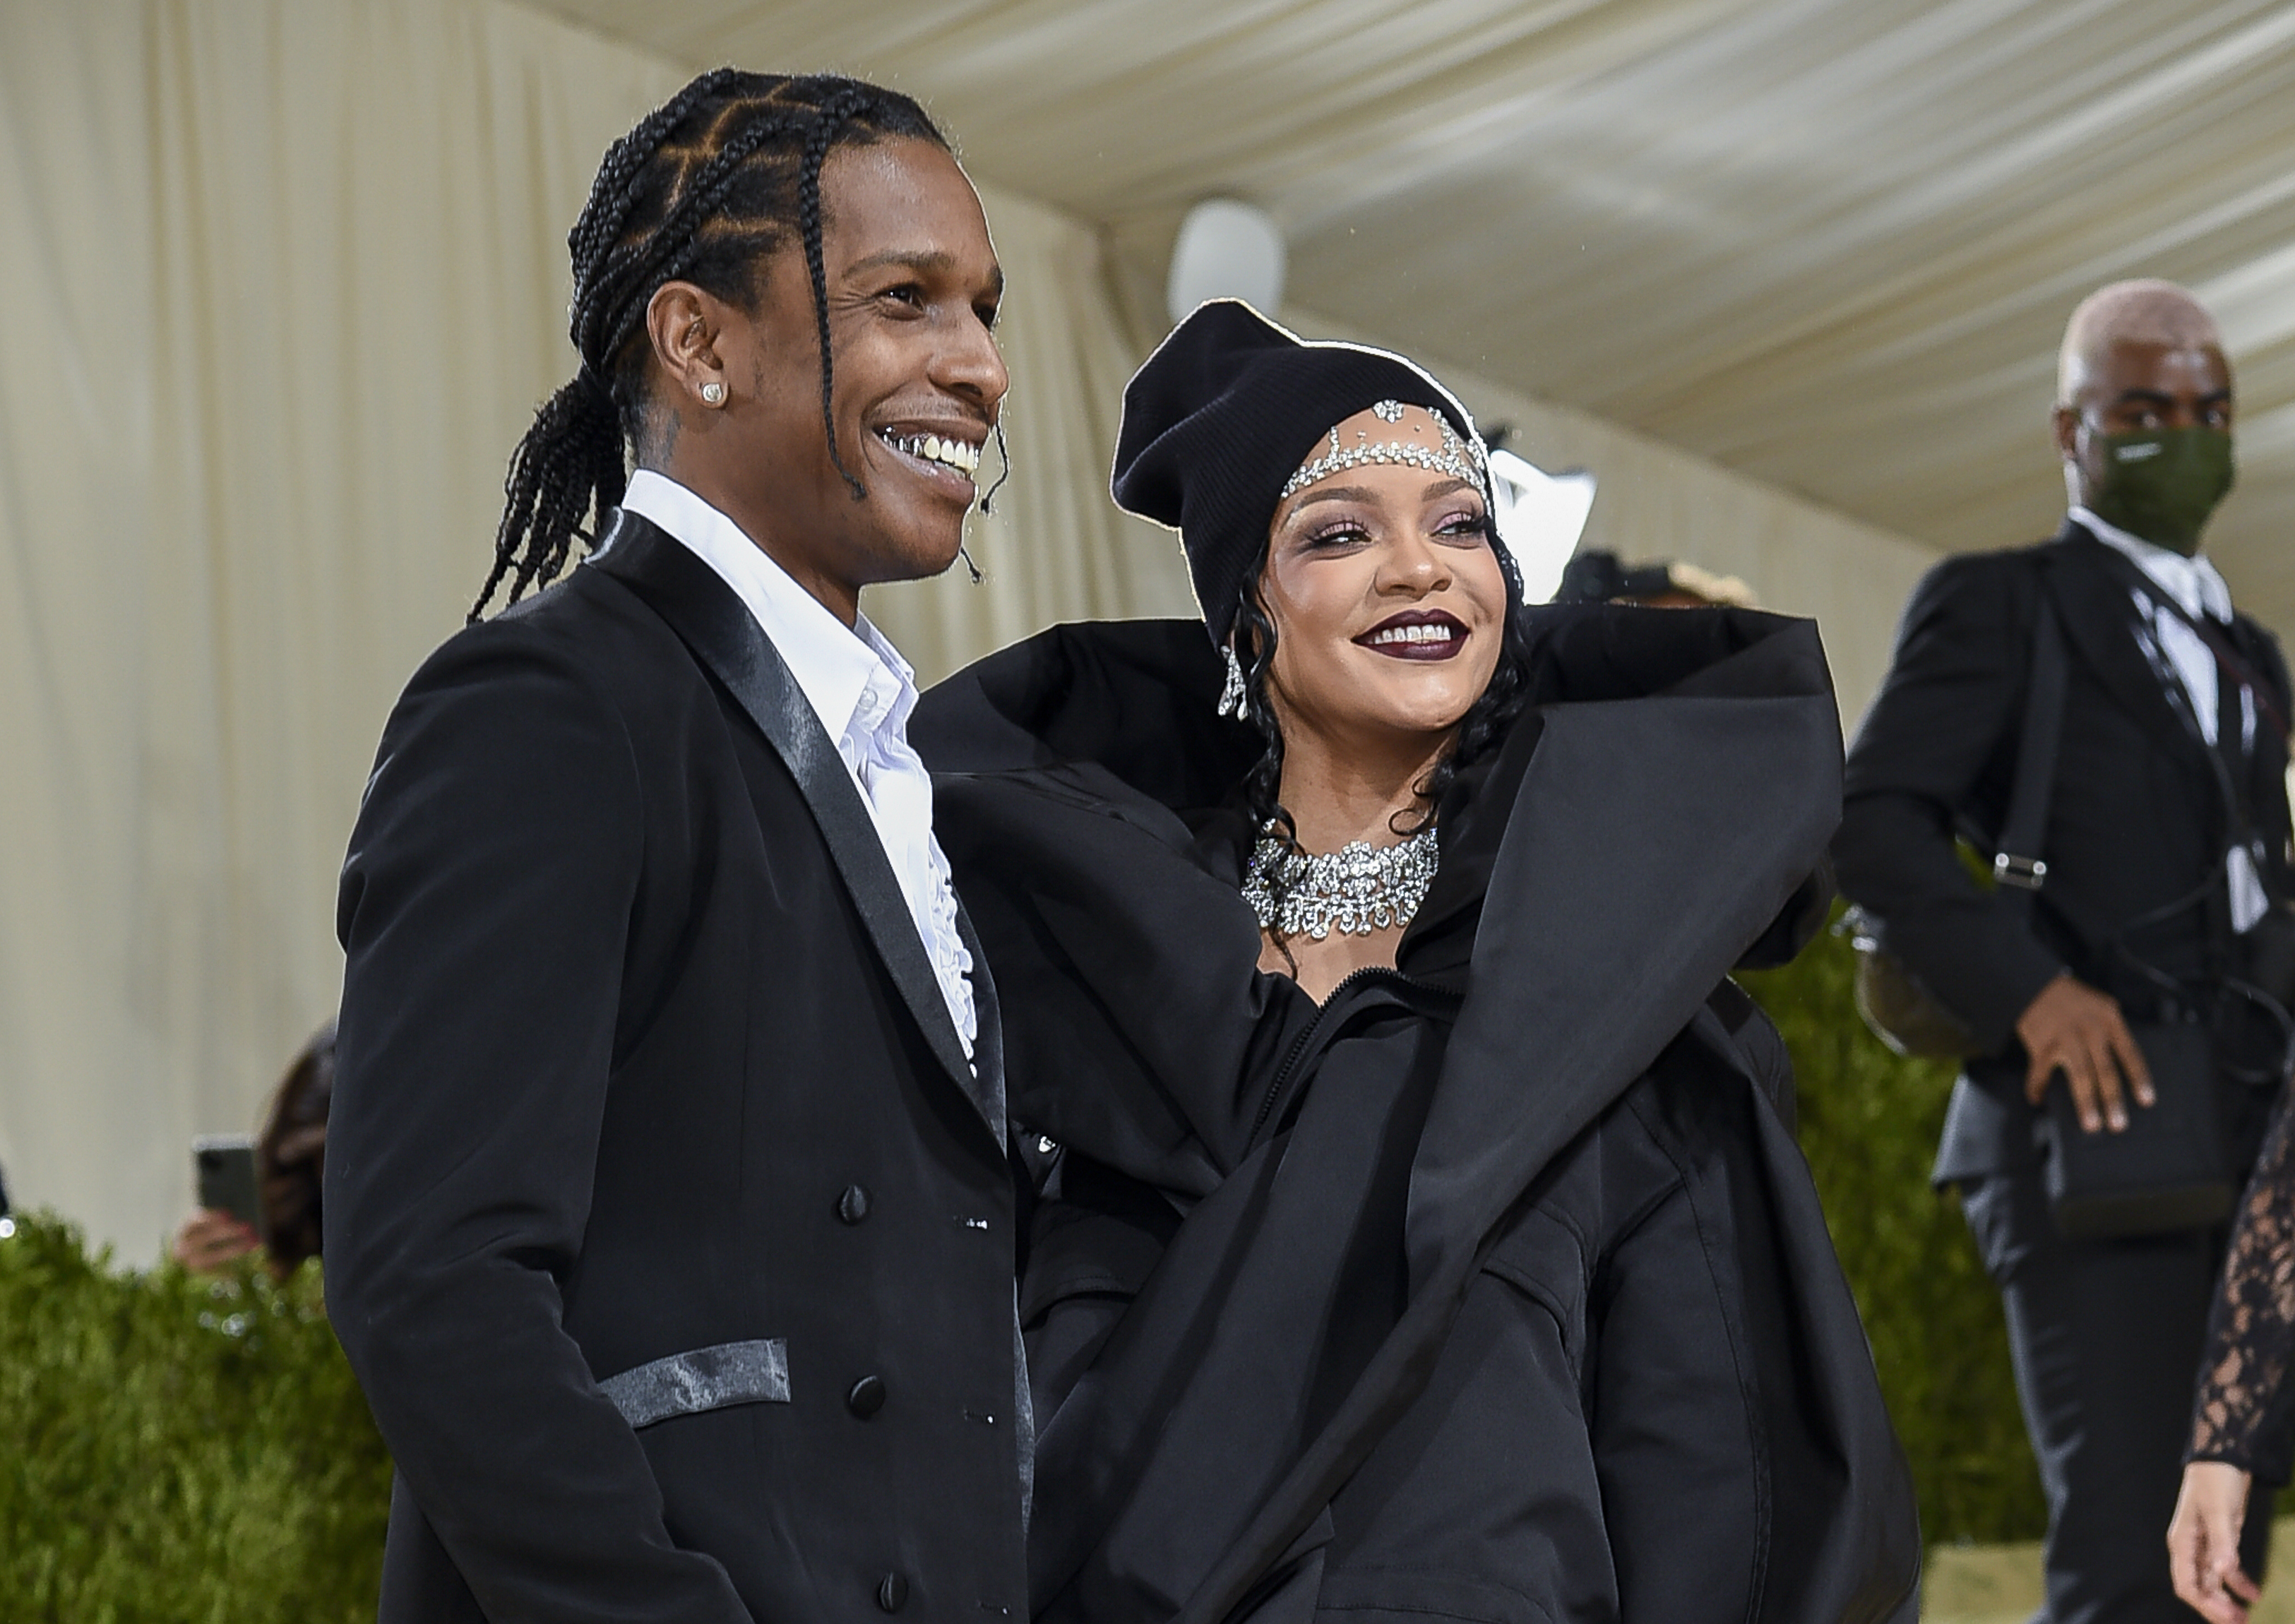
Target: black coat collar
[
  {"x": 1122, "y": 714},
  {"x": 2099, "y": 618},
  {"x": 1677, "y": 781},
  {"x": 726, "y": 639},
  {"x": 2091, "y": 584}
]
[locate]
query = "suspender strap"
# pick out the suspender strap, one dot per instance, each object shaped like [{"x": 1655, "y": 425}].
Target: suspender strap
[
  {"x": 2229, "y": 661},
  {"x": 2018, "y": 867},
  {"x": 2225, "y": 752}
]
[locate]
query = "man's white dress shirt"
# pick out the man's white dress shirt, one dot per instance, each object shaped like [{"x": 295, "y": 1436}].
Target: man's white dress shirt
[
  {"x": 2182, "y": 656},
  {"x": 863, "y": 690}
]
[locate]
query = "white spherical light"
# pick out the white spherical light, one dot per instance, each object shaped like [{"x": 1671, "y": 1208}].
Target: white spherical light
[{"x": 1226, "y": 249}]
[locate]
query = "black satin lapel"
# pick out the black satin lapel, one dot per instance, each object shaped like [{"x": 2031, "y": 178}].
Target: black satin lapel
[
  {"x": 2099, "y": 618},
  {"x": 722, "y": 633},
  {"x": 987, "y": 1082}
]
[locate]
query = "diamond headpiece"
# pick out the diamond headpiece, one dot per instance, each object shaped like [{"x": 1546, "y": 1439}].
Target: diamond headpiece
[{"x": 1460, "y": 459}]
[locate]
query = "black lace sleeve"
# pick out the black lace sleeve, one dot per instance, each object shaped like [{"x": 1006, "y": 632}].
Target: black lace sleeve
[{"x": 2242, "y": 1412}]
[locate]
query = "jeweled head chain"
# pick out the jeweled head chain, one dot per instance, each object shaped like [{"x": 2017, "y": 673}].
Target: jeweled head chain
[
  {"x": 1458, "y": 458},
  {"x": 1461, "y": 458},
  {"x": 1360, "y": 887}
]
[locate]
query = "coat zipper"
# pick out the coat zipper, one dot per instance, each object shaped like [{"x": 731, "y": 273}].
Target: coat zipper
[{"x": 1330, "y": 1008}]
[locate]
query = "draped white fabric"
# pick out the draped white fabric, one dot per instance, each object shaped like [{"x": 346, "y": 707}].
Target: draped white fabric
[
  {"x": 280, "y": 282},
  {"x": 1829, "y": 243},
  {"x": 277, "y": 285}
]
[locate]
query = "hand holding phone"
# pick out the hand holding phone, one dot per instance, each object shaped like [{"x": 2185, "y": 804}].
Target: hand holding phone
[
  {"x": 210, "y": 1240},
  {"x": 226, "y": 1166}
]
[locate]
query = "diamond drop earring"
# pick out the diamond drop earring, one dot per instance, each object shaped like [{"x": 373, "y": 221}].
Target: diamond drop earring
[{"x": 1230, "y": 701}]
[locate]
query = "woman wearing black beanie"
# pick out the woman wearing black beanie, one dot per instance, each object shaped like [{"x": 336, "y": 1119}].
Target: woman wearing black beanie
[{"x": 1419, "y": 1228}]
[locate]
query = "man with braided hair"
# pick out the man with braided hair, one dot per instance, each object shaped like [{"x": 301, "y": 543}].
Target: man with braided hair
[{"x": 670, "y": 1212}]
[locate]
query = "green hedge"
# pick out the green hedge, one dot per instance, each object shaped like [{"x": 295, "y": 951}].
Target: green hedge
[
  {"x": 1868, "y": 1124},
  {"x": 178, "y": 1450},
  {"x": 195, "y": 1451}
]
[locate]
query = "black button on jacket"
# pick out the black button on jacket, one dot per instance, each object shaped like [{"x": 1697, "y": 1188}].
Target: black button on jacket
[{"x": 635, "y": 1024}]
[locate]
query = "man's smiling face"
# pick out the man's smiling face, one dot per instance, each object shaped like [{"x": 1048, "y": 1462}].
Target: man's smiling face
[{"x": 912, "y": 287}]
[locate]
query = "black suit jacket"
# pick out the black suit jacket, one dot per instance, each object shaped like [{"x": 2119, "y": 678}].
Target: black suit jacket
[
  {"x": 668, "y": 1230},
  {"x": 2136, "y": 820}
]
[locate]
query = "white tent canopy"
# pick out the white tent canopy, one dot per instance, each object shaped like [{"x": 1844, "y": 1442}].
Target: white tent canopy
[{"x": 1828, "y": 243}]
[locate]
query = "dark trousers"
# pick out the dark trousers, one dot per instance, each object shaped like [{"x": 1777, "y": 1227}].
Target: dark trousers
[{"x": 2106, "y": 1336}]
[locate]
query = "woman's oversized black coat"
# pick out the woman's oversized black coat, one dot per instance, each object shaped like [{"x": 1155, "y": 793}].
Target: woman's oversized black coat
[{"x": 1494, "y": 1288}]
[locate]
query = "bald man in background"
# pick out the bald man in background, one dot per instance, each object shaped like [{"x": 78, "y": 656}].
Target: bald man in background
[{"x": 2151, "y": 895}]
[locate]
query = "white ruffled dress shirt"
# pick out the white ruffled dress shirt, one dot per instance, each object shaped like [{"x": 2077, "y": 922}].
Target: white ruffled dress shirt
[
  {"x": 863, "y": 690},
  {"x": 2180, "y": 654}
]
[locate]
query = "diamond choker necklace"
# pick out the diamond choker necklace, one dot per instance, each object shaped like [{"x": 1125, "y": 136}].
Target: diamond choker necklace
[{"x": 1355, "y": 889}]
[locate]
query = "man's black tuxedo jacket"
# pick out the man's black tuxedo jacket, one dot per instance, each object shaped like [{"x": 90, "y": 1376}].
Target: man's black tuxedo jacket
[
  {"x": 2136, "y": 819},
  {"x": 641, "y": 1058}
]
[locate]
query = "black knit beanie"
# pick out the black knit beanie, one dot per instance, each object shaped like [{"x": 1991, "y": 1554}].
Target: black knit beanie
[{"x": 1224, "y": 413}]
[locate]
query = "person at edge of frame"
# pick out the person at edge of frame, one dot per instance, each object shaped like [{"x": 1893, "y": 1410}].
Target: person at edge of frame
[
  {"x": 290, "y": 1158},
  {"x": 670, "y": 1215},
  {"x": 2105, "y": 1334}
]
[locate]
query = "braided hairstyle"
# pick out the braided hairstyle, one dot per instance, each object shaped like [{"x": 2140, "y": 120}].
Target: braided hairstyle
[{"x": 703, "y": 190}]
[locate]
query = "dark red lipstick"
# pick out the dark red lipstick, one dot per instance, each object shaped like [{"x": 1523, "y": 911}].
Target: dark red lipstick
[{"x": 1417, "y": 634}]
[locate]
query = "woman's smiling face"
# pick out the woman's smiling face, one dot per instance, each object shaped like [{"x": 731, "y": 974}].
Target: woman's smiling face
[{"x": 1387, "y": 598}]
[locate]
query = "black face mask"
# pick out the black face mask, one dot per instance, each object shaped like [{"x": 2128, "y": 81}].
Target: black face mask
[{"x": 2162, "y": 484}]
